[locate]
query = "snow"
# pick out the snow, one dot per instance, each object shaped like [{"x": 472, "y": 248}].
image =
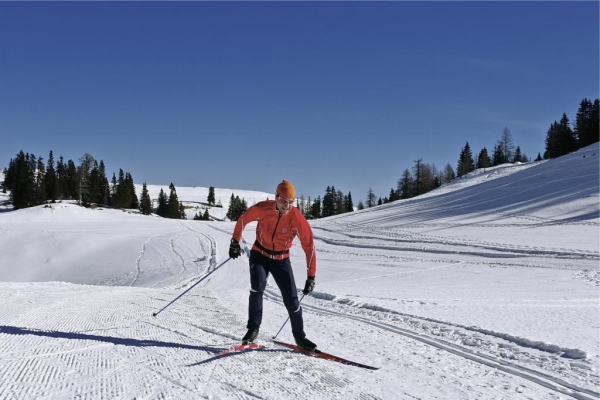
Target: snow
[{"x": 486, "y": 288}]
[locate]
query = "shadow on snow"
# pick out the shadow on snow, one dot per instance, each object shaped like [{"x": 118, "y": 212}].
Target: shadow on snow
[{"x": 13, "y": 330}]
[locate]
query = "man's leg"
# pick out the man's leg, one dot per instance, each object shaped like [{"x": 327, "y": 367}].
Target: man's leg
[
  {"x": 284, "y": 278},
  {"x": 258, "y": 281}
]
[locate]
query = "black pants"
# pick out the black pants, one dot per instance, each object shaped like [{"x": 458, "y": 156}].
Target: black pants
[{"x": 260, "y": 267}]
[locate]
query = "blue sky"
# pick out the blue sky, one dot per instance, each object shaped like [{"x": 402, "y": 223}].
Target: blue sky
[{"x": 244, "y": 94}]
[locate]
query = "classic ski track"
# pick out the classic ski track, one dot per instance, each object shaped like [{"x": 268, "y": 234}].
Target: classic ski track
[
  {"x": 400, "y": 238},
  {"x": 137, "y": 261},
  {"x": 212, "y": 259},
  {"x": 178, "y": 255},
  {"x": 212, "y": 247},
  {"x": 548, "y": 381},
  {"x": 142, "y": 252},
  {"x": 382, "y": 233},
  {"x": 212, "y": 256},
  {"x": 401, "y": 258}
]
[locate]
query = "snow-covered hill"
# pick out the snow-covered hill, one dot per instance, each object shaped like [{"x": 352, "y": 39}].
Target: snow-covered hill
[
  {"x": 486, "y": 288},
  {"x": 195, "y": 198}
]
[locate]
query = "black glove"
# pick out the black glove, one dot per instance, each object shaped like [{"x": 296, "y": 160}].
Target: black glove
[
  {"x": 234, "y": 249},
  {"x": 309, "y": 285}
]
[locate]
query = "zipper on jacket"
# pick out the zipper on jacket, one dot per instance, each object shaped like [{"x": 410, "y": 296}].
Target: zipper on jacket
[{"x": 275, "y": 230}]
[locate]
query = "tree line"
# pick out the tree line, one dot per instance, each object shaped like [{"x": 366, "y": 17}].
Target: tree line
[
  {"x": 32, "y": 182},
  {"x": 561, "y": 139},
  {"x": 424, "y": 177}
]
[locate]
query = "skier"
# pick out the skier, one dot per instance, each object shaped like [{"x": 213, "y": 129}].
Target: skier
[{"x": 278, "y": 223}]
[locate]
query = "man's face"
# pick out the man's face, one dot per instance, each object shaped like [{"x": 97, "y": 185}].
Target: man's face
[{"x": 284, "y": 205}]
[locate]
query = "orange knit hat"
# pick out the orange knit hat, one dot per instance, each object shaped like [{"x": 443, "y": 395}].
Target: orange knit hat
[{"x": 286, "y": 190}]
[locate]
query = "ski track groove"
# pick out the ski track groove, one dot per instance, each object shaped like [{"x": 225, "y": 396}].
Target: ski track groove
[
  {"x": 550, "y": 382},
  {"x": 403, "y": 241},
  {"x": 212, "y": 256},
  {"x": 202, "y": 239},
  {"x": 137, "y": 262}
]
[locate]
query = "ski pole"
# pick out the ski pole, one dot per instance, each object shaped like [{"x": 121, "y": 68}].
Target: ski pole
[
  {"x": 288, "y": 318},
  {"x": 154, "y": 314}
]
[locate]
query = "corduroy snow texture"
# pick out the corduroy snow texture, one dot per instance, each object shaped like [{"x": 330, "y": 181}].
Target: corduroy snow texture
[{"x": 286, "y": 190}]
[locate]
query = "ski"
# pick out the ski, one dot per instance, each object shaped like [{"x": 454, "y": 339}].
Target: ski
[
  {"x": 239, "y": 348},
  {"x": 323, "y": 355}
]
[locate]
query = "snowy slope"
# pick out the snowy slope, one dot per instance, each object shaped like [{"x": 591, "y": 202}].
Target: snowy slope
[
  {"x": 195, "y": 198},
  {"x": 486, "y": 288}
]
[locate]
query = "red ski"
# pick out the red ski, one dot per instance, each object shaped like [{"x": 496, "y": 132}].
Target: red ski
[
  {"x": 239, "y": 348},
  {"x": 326, "y": 356}
]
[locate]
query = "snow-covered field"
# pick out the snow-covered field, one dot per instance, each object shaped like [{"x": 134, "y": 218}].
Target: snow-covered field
[{"x": 486, "y": 288}]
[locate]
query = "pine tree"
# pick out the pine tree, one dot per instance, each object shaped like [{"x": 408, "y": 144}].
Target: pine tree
[
  {"x": 237, "y": 207},
  {"x": 86, "y": 163},
  {"x": 182, "y": 214},
  {"x": 498, "y": 156},
  {"x": 465, "y": 161},
  {"x": 52, "y": 187},
  {"x": 72, "y": 181},
  {"x": 162, "y": 208},
  {"x": 206, "y": 216},
  {"x": 145, "y": 202},
  {"x": 94, "y": 191},
  {"x": 130, "y": 187},
  {"x": 19, "y": 179},
  {"x": 518, "y": 156},
  {"x": 371, "y": 198},
  {"x": 567, "y": 138},
  {"x": 104, "y": 186},
  {"x": 559, "y": 139},
  {"x": 328, "y": 208},
  {"x": 211, "y": 196},
  {"x": 316, "y": 208},
  {"x": 430, "y": 173},
  {"x": 448, "y": 174},
  {"x": 349, "y": 203},
  {"x": 340, "y": 203},
  {"x": 483, "y": 160},
  {"x": 539, "y": 157},
  {"x": 61, "y": 177},
  {"x": 113, "y": 191},
  {"x": 173, "y": 203},
  {"x": 418, "y": 178},
  {"x": 230, "y": 209},
  {"x": 121, "y": 198},
  {"x": 405, "y": 185},
  {"x": 586, "y": 123},
  {"x": 505, "y": 144}
]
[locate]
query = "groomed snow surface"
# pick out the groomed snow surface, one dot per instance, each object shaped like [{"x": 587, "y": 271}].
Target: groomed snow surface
[{"x": 486, "y": 288}]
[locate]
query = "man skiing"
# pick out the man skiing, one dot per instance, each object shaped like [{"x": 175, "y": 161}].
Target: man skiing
[{"x": 279, "y": 222}]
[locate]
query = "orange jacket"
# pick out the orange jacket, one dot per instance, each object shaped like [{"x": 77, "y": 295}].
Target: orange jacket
[{"x": 275, "y": 232}]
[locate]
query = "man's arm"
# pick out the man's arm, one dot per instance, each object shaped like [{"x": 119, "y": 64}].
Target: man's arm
[{"x": 306, "y": 240}]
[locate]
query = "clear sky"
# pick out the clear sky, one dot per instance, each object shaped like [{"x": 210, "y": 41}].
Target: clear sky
[{"x": 347, "y": 94}]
